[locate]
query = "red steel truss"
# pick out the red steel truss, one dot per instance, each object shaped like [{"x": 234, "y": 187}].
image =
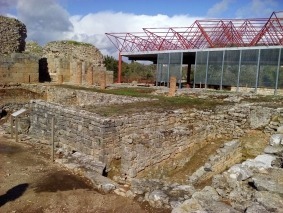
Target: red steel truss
[{"x": 211, "y": 33}]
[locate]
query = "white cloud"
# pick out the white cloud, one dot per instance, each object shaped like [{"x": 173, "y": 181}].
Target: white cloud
[
  {"x": 92, "y": 27},
  {"x": 219, "y": 8},
  {"x": 46, "y": 20},
  {"x": 257, "y": 8}
]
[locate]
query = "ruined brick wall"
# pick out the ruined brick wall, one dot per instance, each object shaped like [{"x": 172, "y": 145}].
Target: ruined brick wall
[
  {"x": 74, "y": 50},
  {"x": 75, "y": 130},
  {"x": 69, "y": 96},
  {"x": 226, "y": 156},
  {"x": 75, "y": 62},
  {"x": 81, "y": 71},
  {"x": 18, "y": 68},
  {"x": 142, "y": 140},
  {"x": 12, "y": 35}
]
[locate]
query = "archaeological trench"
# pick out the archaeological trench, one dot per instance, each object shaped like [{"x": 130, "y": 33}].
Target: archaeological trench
[{"x": 219, "y": 152}]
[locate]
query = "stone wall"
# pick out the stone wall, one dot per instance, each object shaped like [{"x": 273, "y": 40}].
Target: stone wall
[
  {"x": 12, "y": 35},
  {"x": 75, "y": 129},
  {"x": 69, "y": 96},
  {"x": 75, "y": 62},
  {"x": 225, "y": 157},
  {"x": 260, "y": 91},
  {"x": 141, "y": 140},
  {"x": 74, "y": 50},
  {"x": 18, "y": 68}
]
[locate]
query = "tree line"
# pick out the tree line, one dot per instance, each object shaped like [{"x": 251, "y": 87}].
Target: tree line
[{"x": 132, "y": 71}]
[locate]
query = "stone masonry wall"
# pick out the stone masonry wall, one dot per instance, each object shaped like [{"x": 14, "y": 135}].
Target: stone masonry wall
[
  {"x": 12, "y": 35},
  {"x": 73, "y": 50},
  {"x": 142, "y": 140},
  {"x": 225, "y": 157},
  {"x": 75, "y": 129},
  {"x": 18, "y": 68},
  {"x": 80, "y": 97},
  {"x": 75, "y": 62}
]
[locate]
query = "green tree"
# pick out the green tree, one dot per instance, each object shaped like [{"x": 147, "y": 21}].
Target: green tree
[{"x": 111, "y": 64}]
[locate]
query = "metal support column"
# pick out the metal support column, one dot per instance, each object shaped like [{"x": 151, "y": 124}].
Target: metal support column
[
  {"x": 206, "y": 71},
  {"x": 222, "y": 70},
  {"x": 17, "y": 129},
  {"x": 195, "y": 71},
  {"x": 168, "y": 70},
  {"x": 52, "y": 139},
  {"x": 157, "y": 70},
  {"x": 180, "y": 79},
  {"x": 257, "y": 70},
  {"x": 120, "y": 68},
  {"x": 239, "y": 71},
  {"x": 277, "y": 73}
]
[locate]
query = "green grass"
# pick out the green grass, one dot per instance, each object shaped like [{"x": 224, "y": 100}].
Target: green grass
[
  {"x": 158, "y": 103},
  {"x": 267, "y": 100},
  {"x": 76, "y": 43},
  {"x": 133, "y": 92}
]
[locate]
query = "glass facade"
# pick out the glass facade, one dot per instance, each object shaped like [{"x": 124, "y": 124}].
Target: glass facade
[
  {"x": 241, "y": 68},
  {"x": 253, "y": 68},
  {"x": 169, "y": 64}
]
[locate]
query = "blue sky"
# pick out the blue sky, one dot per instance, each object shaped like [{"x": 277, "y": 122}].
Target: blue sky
[
  {"x": 197, "y": 8},
  {"x": 89, "y": 20}
]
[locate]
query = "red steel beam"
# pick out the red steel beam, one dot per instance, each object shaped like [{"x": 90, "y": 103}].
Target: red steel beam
[{"x": 204, "y": 34}]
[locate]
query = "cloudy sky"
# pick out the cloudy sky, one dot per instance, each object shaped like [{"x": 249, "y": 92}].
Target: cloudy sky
[{"x": 89, "y": 20}]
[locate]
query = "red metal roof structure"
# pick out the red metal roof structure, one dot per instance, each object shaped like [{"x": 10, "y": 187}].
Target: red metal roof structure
[{"x": 210, "y": 33}]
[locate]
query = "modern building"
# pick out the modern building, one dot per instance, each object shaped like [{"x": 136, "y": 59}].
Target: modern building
[{"x": 240, "y": 53}]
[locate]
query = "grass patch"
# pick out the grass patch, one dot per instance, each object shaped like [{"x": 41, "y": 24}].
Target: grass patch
[
  {"x": 157, "y": 103},
  {"x": 160, "y": 104},
  {"x": 264, "y": 98},
  {"x": 76, "y": 43},
  {"x": 132, "y": 92}
]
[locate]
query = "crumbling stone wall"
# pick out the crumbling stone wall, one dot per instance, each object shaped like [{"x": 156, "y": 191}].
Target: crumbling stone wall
[
  {"x": 18, "y": 68},
  {"x": 12, "y": 35},
  {"x": 225, "y": 157},
  {"x": 84, "y": 72},
  {"x": 69, "y": 96},
  {"x": 74, "y": 50},
  {"x": 140, "y": 140},
  {"x": 75, "y": 62}
]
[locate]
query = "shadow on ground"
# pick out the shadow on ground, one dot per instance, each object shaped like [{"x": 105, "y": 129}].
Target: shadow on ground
[{"x": 13, "y": 193}]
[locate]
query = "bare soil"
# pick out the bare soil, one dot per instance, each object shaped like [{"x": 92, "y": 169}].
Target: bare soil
[
  {"x": 179, "y": 174},
  {"x": 29, "y": 182},
  {"x": 253, "y": 144}
]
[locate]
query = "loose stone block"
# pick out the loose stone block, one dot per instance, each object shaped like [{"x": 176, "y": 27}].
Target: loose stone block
[
  {"x": 172, "y": 89},
  {"x": 89, "y": 77},
  {"x": 79, "y": 73},
  {"x": 103, "y": 80}
]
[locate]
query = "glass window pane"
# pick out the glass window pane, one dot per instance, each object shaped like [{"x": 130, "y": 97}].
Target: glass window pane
[
  {"x": 214, "y": 67},
  {"x": 248, "y": 68},
  {"x": 162, "y": 67},
  {"x": 268, "y": 68},
  {"x": 231, "y": 67},
  {"x": 175, "y": 65},
  {"x": 200, "y": 72}
]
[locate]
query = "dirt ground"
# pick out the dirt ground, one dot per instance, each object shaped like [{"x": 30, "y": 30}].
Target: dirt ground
[{"x": 29, "y": 182}]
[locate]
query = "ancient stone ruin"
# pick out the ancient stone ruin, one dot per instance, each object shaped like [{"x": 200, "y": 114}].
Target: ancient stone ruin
[
  {"x": 118, "y": 153},
  {"x": 59, "y": 61},
  {"x": 13, "y": 34},
  {"x": 138, "y": 142},
  {"x": 75, "y": 62}
]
